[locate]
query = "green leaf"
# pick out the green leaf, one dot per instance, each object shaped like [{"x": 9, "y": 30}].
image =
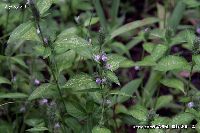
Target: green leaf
[
  {"x": 19, "y": 61},
  {"x": 116, "y": 61},
  {"x": 148, "y": 47},
  {"x": 13, "y": 95},
  {"x": 75, "y": 111},
  {"x": 133, "y": 25},
  {"x": 4, "y": 80},
  {"x": 196, "y": 59},
  {"x": 192, "y": 3},
  {"x": 25, "y": 31},
  {"x": 100, "y": 130},
  {"x": 147, "y": 61},
  {"x": 129, "y": 89},
  {"x": 43, "y": 91},
  {"x": 162, "y": 101},
  {"x": 139, "y": 112},
  {"x": 81, "y": 46},
  {"x": 90, "y": 21},
  {"x": 112, "y": 77},
  {"x": 43, "y": 5},
  {"x": 37, "y": 129},
  {"x": 182, "y": 118},
  {"x": 158, "y": 51},
  {"x": 171, "y": 62},
  {"x": 173, "y": 83},
  {"x": 81, "y": 82},
  {"x": 34, "y": 122},
  {"x": 177, "y": 14},
  {"x": 65, "y": 60}
]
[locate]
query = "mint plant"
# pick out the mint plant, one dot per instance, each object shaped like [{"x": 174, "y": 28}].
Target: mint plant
[{"x": 83, "y": 67}]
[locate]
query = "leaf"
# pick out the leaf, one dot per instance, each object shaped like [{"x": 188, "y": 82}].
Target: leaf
[
  {"x": 148, "y": 47},
  {"x": 37, "y": 129},
  {"x": 65, "y": 60},
  {"x": 43, "y": 5},
  {"x": 112, "y": 77},
  {"x": 158, "y": 51},
  {"x": 182, "y": 118},
  {"x": 171, "y": 62},
  {"x": 129, "y": 89},
  {"x": 90, "y": 21},
  {"x": 25, "y": 31},
  {"x": 81, "y": 82},
  {"x": 43, "y": 91},
  {"x": 162, "y": 101},
  {"x": 177, "y": 15},
  {"x": 119, "y": 93},
  {"x": 196, "y": 59},
  {"x": 139, "y": 112},
  {"x": 147, "y": 61},
  {"x": 13, "y": 95},
  {"x": 75, "y": 111},
  {"x": 192, "y": 3},
  {"x": 81, "y": 46},
  {"x": 173, "y": 83},
  {"x": 100, "y": 130},
  {"x": 34, "y": 121},
  {"x": 19, "y": 61},
  {"x": 132, "y": 26},
  {"x": 116, "y": 61},
  {"x": 4, "y": 80}
]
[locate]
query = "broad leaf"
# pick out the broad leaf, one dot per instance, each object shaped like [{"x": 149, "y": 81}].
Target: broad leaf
[
  {"x": 43, "y": 5},
  {"x": 162, "y": 101},
  {"x": 139, "y": 112},
  {"x": 43, "y": 91},
  {"x": 129, "y": 89},
  {"x": 25, "y": 31},
  {"x": 147, "y": 61},
  {"x": 37, "y": 129},
  {"x": 112, "y": 77},
  {"x": 158, "y": 51},
  {"x": 4, "y": 81},
  {"x": 81, "y": 82},
  {"x": 172, "y": 62},
  {"x": 173, "y": 83},
  {"x": 182, "y": 118}
]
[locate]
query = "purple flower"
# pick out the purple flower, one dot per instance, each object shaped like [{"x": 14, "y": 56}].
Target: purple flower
[
  {"x": 198, "y": 30},
  {"x": 108, "y": 66},
  {"x": 137, "y": 68},
  {"x": 103, "y": 80},
  {"x": 104, "y": 57},
  {"x": 46, "y": 40},
  {"x": 36, "y": 82},
  {"x": 57, "y": 125},
  {"x": 190, "y": 104},
  {"x": 98, "y": 80},
  {"x": 97, "y": 57},
  {"x": 146, "y": 29},
  {"x": 43, "y": 101}
]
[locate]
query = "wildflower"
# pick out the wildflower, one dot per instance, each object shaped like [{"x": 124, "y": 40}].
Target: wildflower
[
  {"x": 108, "y": 66},
  {"x": 103, "y": 80},
  {"x": 104, "y": 57},
  {"x": 97, "y": 58},
  {"x": 57, "y": 125},
  {"x": 77, "y": 19},
  {"x": 190, "y": 104},
  {"x": 46, "y": 40},
  {"x": 146, "y": 29},
  {"x": 198, "y": 30},
  {"x": 43, "y": 101},
  {"x": 98, "y": 80},
  {"x": 36, "y": 82},
  {"x": 137, "y": 68}
]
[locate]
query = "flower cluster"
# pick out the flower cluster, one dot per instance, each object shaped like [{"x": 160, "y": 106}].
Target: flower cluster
[
  {"x": 102, "y": 58},
  {"x": 101, "y": 80}
]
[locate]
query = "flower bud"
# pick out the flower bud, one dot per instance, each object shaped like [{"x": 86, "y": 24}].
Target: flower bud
[
  {"x": 190, "y": 105},
  {"x": 98, "y": 81}
]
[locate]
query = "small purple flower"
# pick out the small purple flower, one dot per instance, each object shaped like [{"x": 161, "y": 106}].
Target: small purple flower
[
  {"x": 146, "y": 29},
  {"x": 46, "y": 40},
  {"x": 198, "y": 30},
  {"x": 190, "y": 104},
  {"x": 97, "y": 58},
  {"x": 98, "y": 80},
  {"x": 36, "y": 82},
  {"x": 104, "y": 57},
  {"x": 137, "y": 68},
  {"x": 108, "y": 66},
  {"x": 57, "y": 125},
  {"x": 43, "y": 101}
]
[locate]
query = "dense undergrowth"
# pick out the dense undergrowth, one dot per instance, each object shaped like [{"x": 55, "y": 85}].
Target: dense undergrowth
[{"x": 99, "y": 66}]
